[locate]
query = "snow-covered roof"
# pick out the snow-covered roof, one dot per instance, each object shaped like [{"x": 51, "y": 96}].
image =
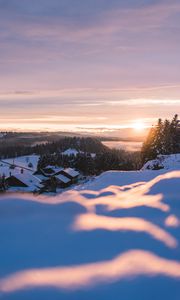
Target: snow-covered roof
[
  {"x": 63, "y": 178},
  {"x": 71, "y": 172},
  {"x": 55, "y": 169},
  {"x": 5, "y": 170},
  {"x": 28, "y": 179},
  {"x": 70, "y": 151}
]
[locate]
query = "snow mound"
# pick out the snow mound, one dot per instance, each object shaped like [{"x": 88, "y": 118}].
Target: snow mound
[
  {"x": 118, "y": 241},
  {"x": 167, "y": 162},
  {"x": 119, "y": 178}
]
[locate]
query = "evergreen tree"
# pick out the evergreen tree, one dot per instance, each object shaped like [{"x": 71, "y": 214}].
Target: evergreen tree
[
  {"x": 164, "y": 138},
  {"x": 175, "y": 134},
  {"x": 148, "y": 149}
]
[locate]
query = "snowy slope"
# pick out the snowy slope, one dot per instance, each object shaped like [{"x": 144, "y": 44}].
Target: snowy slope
[
  {"x": 120, "y": 178},
  {"x": 24, "y": 161},
  {"x": 120, "y": 242}
]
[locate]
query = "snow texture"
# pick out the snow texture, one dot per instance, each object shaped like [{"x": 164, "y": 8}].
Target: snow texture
[
  {"x": 167, "y": 162},
  {"x": 117, "y": 239}
]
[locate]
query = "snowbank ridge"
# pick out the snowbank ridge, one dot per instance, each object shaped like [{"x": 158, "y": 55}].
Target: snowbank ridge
[{"x": 87, "y": 241}]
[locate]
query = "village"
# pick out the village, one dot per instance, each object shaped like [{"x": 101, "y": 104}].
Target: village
[{"x": 20, "y": 174}]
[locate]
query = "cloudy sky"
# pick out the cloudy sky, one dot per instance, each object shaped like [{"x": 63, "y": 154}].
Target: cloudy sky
[{"x": 73, "y": 64}]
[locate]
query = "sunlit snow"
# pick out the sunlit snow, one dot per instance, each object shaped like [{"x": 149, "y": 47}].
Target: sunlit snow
[{"x": 110, "y": 242}]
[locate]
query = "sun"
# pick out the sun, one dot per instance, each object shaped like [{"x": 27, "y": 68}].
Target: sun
[{"x": 138, "y": 126}]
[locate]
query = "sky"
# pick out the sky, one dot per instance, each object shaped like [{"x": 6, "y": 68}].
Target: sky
[{"x": 90, "y": 65}]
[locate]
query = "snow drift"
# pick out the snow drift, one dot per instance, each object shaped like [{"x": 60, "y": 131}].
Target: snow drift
[
  {"x": 121, "y": 241},
  {"x": 167, "y": 162}
]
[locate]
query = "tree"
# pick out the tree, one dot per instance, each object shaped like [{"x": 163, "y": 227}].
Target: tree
[
  {"x": 175, "y": 134},
  {"x": 164, "y": 138},
  {"x": 149, "y": 148}
]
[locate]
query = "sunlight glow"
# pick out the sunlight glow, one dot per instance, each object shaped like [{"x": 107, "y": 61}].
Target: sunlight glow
[
  {"x": 139, "y": 126},
  {"x": 129, "y": 264}
]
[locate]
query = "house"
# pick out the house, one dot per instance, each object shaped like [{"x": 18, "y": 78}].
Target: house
[
  {"x": 16, "y": 181},
  {"x": 57, "y": 181},
  {"x": 49, "y": 171},
  {"x": 26, "y": 181},
  {"x": 62, "y": 181},
  {"x": 71, "y": 174}
]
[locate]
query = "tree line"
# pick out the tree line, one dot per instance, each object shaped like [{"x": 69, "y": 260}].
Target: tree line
[
  {"x": 163, "y": 138},
  {"x": 85, "y": 144},
  {"x": 87, "y": 164}
]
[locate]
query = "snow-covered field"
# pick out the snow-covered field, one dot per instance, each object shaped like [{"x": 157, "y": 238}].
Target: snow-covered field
[
  {"x": 29, "y": 162},
  {"x": 116, "y": 239}
]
